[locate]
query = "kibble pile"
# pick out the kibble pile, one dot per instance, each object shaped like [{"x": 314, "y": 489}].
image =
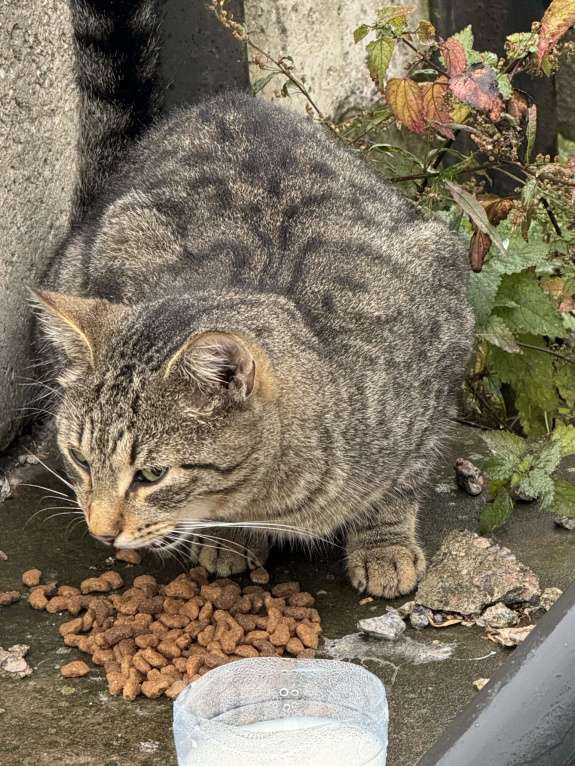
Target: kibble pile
[{"x": 155, "y": 639}]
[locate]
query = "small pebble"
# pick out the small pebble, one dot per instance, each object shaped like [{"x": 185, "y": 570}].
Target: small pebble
[
  {"x": 3, "y": 556},
  {"x": 388, "y": 626},
  {"x": 566, "y": 522},
  {"x": 469, "y": 477},
  {"x": 419, "y": 617},
  {"x": 498, "y": 616},
  {"x": 406, "y": 609},
  {"x": 549, "y": 597},
  {"x": 365, "y": 601},
  {"x": 479, "y": 683}
]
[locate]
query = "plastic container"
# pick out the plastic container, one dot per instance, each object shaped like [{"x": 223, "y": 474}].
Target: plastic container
[{"x": 270, "y": 711}]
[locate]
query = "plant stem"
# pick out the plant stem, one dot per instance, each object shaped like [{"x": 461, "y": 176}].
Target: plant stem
[{"x": 547, "y": 351}]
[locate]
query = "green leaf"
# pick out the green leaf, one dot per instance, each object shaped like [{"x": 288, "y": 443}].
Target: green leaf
[
  {"x": 379, "y": 53},
  {"x": 505, "y": 443},
  {"x": 470, "y": 205},
  {"x": 261, "y": 83},
  {"x": 532, "y": 378},
  {"x": 549, "y": 457},
  {"x": 425, "y": 31},
  {"x": 564, "y": 504},
  {"x": 360, "y": 32},
  {"x": 496, "y": 513},
  {"x": 536, "y": 312},
  {"x": 505, "y": 86},
  {"x": 520, "y": 44},
  {"x": 496, "y": 332},
  {"x": 465, "y": 37},
  {"x": 565, "y": 436},
  {"x": 538, "y": 485},
  {"x": 565, "y": 381},
  {"x": 394, "y": 16},
  {"x": 482, "y": 290}
]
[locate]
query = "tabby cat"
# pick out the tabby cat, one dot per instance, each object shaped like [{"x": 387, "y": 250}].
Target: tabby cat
[{"x": 257, "y": 337}]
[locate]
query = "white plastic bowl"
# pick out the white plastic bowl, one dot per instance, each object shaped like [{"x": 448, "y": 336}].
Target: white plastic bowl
[{"x": 270, "y": 711}]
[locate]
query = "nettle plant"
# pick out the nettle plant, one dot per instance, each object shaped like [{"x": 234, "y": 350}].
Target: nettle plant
[{"x": 471, "y": 132}]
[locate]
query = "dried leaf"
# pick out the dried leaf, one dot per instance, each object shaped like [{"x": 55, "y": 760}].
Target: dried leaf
[
  {"x": 471, "y": 205},
  {"x": 518, "y": 107},
  {"x": 379, "y": 53},
  {"x": 478, "y": 249},
  {"x": 425, "y": 31},
  {"x": 478, "y": 87},
  {"x": 531, "y": 131},
  {"x": 405, "y": 98},
  {"x": 496, "y": 208},
  {"x": 454, "y": 56},
  {"x": 436, "y": 107},
  {"x": 557, "y": 20}
]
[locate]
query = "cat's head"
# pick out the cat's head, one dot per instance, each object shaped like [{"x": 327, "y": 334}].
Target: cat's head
[{"x": 160, "y": 426}]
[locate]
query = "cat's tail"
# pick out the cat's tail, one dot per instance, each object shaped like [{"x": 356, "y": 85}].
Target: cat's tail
[{"x": 117, "y": 61}]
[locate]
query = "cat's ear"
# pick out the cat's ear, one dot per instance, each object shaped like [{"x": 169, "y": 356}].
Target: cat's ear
[
  {"x": 216, "y": 359},
  {"x": 72, "y": 324}
]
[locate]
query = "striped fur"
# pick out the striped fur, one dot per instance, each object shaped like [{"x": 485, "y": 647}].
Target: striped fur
[{"x": 342, "y": 333}]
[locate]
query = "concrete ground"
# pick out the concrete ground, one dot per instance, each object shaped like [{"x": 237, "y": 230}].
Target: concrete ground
[{"x": 46, "y": 719}]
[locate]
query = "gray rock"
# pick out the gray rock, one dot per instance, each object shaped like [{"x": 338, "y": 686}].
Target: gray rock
[
  {"x": 420, "y": 617},
  {"x": 566, "y": 522},
  {"x": 549, "y": 597},
  {"x": 406, "y": 609},
  {"x": 5, "y": 488},
  {"x": 388, "y": 626},
  {"x": 12, "y": 660},
  {"x": 470, "y": 572},
  {"x": 498, "y": 616},
  {"x": 469, "y": 477}
]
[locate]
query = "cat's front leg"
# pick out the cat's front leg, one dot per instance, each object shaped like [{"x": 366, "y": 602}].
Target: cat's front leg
[
  {"x": 383, "y": 557},
  {"x": 226, "y": 552}
]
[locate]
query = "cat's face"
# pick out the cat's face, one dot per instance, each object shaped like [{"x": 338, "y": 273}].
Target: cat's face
[{"x": 152, "y": 445}]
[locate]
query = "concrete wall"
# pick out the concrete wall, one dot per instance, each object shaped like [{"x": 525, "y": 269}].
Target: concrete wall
[
  {"x": 319, "y": 37},
  {"x": 37, "y": 135}
]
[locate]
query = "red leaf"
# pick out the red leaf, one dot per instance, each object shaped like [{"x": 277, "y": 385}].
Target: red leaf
[
  {"x": 436, "y": 107},
  {"x": 454, "y": 56},
  {"x": 405, "y": 98},
  {"x": 478, "y": 87},
  {"x": 558, "y": 18}
]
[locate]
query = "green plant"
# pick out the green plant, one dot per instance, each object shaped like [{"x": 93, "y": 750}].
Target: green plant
[{"x": 471, "y": 122}]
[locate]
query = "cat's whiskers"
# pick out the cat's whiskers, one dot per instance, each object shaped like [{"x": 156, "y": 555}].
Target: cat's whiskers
[
  {"x": 50, "y": 470},
  {"x": 47, "y": 489},
  {"x": 269, "y": 526}
]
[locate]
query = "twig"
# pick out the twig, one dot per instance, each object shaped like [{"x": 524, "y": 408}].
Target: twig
[
  {"x": 551, "y": 215},
  {"x": 423, "y": 57},
  {"x": 547, "y": 351}
]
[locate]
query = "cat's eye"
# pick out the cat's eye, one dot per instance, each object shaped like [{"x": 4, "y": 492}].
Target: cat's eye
[
  {"x": 149, "y": 475},
  {"x": 78, "y": 458}
]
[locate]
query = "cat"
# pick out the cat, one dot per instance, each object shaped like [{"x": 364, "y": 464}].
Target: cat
[{"x": 256, "y": 336}]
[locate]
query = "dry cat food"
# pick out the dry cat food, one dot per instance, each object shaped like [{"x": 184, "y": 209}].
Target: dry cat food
[{"x": 155, "y": 639}]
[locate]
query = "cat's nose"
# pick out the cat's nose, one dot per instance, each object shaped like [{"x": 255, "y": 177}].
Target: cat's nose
[{"x": 106, "y": 539}]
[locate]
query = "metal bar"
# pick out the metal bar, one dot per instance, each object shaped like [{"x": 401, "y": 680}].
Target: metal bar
[{"x": 525, "y": 716}]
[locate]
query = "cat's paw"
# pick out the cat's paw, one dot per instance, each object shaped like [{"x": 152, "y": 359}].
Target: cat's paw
[
  {"x": 386, "y": 570},
  {"x": 231, "y": 557}
]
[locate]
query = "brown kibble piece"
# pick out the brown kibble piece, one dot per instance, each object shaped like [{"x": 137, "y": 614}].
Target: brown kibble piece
[
  {"x": 37, "y": 599},
  {"x": 73, "y": 626},
  {"x": 265, "y": 648},
  {"x": 118, "y": 633},
  {"x": 131, "y": 690},
  {"x": 199, "y": 575},
  {"x": 154, "y": 689},
  {"x": 147, "y": 639},
  {"x": 114, "y": 579},
  {"x": 57, "y": 604},
  {"x": 116, "y": 682},
  {"x": 193, "y": 665},
  {"x": 259, "y": 576},
  {"x": 74, "y": 604},
  {"x": 169, "y": 649},
  {"x": 31, "y": 577},
  {"x": 140, "y": 663},
  {"x": 75, "y": 669},
  {"x": 285, "y": 589},
  {"x": 281, "y": 635},
  {"x": 102, "y": 656},
  {"x": 294, "y": 646},
  {"x": 177, "y": 687},
  {"x": 128, "y": 555},
  {"x": 243, "y": 650},
  {"x": 308, "y": 635},
  {"x": 301, "y": 599},
  {"x": 207, "y": 635},
  {"x": 153, "y": 658},
  {"x": 256, "y": 635},
  {"x": 95, "y": 585},
  {"x": 67, "y": 591},
  {"x": 185, "y": 589}
]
